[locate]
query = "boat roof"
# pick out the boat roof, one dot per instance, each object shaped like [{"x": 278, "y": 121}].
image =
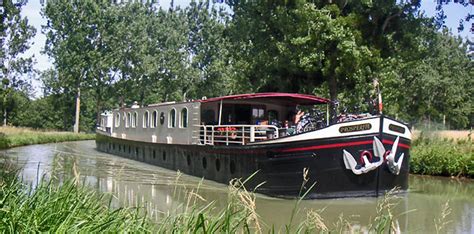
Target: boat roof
[{"x": 296, "y": 98}]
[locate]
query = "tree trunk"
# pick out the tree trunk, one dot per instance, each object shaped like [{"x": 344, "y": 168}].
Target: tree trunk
[
  {"x": 98, "y": 92},
  {"x": 78, "y": 110},
  {"x": 98, "y": 108},
  {"x": 4, "y": 113}
]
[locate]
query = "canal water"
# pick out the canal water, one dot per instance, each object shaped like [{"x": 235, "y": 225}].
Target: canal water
[{"x": 160, "y": 191}]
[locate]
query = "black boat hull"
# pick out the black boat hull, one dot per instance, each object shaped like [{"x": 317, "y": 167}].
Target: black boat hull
[{"x": 280, "y": 167}]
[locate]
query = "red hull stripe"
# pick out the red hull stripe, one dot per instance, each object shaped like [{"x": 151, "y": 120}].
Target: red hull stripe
[
  {"x": 336, "y": 145},
  {"x": 339, "y": 145},
  {"x": 399, "y": 144}
]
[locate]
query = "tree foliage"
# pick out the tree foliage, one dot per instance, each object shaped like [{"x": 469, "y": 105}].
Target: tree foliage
[
  {"x": 115, "y": 54},
  {"x": 15, "y": 35}
]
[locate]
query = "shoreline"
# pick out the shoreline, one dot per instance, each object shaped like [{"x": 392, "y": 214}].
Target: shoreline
[{"x": 11, "y": 137}]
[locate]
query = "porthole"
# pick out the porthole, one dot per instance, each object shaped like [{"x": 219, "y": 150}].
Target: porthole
[
  {"x": 204, "y": 162},
  {"x": 218, "y": 164},
  {"x": 188, "y": 159},
  {"x": 232, "y": 167},
  {"x": 164, "y": 155}
]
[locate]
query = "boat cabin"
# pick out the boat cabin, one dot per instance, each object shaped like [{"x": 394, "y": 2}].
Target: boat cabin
[{"x": 236, "y": 119}]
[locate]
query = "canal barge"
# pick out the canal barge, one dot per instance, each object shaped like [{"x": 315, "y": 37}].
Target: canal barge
[{"x": 238, "y": 136}]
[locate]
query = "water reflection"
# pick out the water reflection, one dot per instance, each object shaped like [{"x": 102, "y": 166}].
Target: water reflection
[{"x": 160, "y": 190}]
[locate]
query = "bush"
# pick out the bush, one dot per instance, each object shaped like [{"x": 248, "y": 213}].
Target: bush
[{"x": 435, "y": 156}]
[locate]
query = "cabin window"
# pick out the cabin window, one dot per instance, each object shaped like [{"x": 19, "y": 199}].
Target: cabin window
[
  {"x": 172, "y": 118},
  {"x": 184, "y": 118},
  {"x": 117, "y": 120},
  {"x": 128, "y": 121},
  {"x": 146, "y": 119},
  {"x": 162, "y": 118},
  {"x": 154, "y": 121},
  {"x": 134, "y": 120},
  {"x": 124, "y": 118},
  {"x": 258, "y": 113}
]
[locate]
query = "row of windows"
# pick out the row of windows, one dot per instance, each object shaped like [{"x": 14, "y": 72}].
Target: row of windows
[{"x": 130, "y": 119}]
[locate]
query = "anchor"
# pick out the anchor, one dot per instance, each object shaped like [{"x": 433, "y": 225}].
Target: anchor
[
  {"x": 351, "y": 163},
  {"x": 394, "y": 166},
  {"x": 379, "y": 151}
]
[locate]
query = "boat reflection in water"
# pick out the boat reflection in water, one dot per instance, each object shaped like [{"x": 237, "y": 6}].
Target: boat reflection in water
[{"x": 161, "y": 191}]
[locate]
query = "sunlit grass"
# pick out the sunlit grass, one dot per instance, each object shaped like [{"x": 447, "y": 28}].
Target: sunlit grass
[
  {"x": 13, "y": 137},
  {"x": 445, "y": 134}
]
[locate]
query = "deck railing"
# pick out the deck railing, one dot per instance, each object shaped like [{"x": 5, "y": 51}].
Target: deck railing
[{"x": 235, "y": 134}]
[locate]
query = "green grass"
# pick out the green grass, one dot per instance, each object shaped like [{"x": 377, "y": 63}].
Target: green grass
[
  {"x": 49, "y": 207},
  {"x": 61, "y": 207},
  {"x": 443, "y": 157},
  {"x": 13, "y": 137}
]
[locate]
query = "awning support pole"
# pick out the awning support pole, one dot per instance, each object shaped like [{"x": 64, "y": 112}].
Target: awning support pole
[
  {"x": 220, "y": 113},
  {"x": 327, "y": 114}
]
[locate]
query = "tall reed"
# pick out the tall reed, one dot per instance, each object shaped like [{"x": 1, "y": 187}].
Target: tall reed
[{"x": 49, "y": 207}]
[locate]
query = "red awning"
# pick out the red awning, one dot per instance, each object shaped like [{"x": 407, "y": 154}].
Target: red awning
[{"x": 296, "y": 98}]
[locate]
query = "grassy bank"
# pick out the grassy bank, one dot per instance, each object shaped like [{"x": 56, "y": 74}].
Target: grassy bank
[
  {"x": 63, "y": 209},
  {"x": 13, "y": 137},
  {"x": 433, "y": 155},
  {"x": 60, "y": 207}
]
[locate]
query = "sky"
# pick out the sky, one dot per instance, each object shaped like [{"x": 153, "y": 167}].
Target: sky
[{"x": 32, "y": 11}]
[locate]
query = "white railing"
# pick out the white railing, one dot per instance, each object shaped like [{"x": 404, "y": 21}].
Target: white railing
[
  {"x": 235, "y": 134},
  {"x": 103, "y": 129}
]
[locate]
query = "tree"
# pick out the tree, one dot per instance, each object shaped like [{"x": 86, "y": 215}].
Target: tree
[
  {"x": 74, "y": 42},
  {"x": 436, "y": 86},
  {"x": 208, "y": 47},
  {"x": 299, "y": 46},
  {"x": 15, "y": 35}
]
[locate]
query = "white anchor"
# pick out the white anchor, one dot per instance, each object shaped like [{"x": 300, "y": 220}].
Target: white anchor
[
  {"x": 351, "y": 163},
  {"x": 393, "y": 166},
  {"x": 379, "y": 151}
]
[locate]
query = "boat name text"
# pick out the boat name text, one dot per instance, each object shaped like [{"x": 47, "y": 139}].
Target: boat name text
[{"x": 355, "y": 128}]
